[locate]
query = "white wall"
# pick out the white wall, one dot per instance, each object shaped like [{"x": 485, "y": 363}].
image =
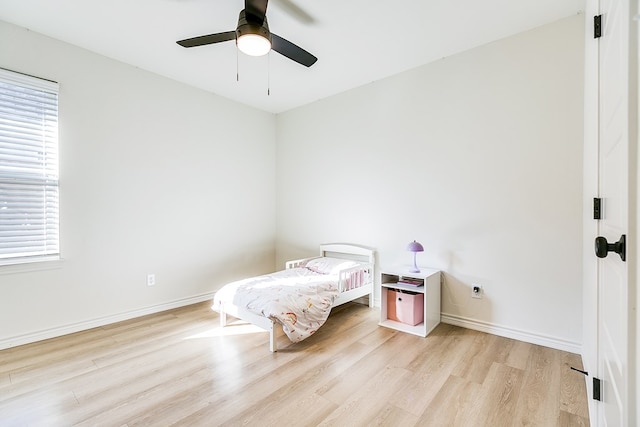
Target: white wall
[
  {"x": 477, "y": 156},
  {"x": 156, "y": 177}
]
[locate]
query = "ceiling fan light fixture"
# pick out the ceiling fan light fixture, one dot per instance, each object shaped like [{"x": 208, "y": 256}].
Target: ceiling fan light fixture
[
  {"x": 253, "y": 44},
  {"x": 252, "y": 35}
]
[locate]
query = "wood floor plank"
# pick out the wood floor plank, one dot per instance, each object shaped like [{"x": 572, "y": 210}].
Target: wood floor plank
[
  {"x": 541, "y": 404},
  {"x": 359, "y": 408},
  {"x": 519, "y": 355},
  {"x": 25, "y": 383},
  {"x": 572, "y": 385},
  {"x": 35, "y": 357},
  {"x": 392, "y": 416},
  {"x": 5, "y": 379},
  {"x": 431, "y": 369},
  {"x": 181, "y": 330},
  {"x": 180, "y": 368},
  {"x": 483, "y": 352},
  {"x": 454, "y": 405},
  {"x": 285, "y": 401},
  {"x": 500, "y": 395},
  {"x": 159, "y": 385},
  {"x": 572, "y": 420},
  {"x": 306, "y": 409},
  {"x": 340, "y": 388}
]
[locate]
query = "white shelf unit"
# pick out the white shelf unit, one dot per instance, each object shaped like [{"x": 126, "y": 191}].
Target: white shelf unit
[{"x": 431, "y": 290}]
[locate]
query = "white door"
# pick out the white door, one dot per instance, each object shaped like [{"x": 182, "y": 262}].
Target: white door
[{"x": 613, "y": 285}]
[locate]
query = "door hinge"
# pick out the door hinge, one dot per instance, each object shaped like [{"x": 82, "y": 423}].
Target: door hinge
[
  {"x": 597, "y": 26},
  {"x": 596, "y": 388},
  {"x": 597, "y": 205}
]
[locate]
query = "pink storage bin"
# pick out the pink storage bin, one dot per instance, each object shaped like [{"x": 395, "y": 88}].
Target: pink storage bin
[{"x": 406, "y": 307}]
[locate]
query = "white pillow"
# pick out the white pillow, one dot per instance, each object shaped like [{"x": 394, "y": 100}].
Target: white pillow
[{"x": 328, "y": 265}]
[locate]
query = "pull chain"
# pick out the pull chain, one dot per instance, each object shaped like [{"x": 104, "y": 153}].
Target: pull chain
[
  {"x": 237, "y": 66},
  {"x": 269, "y": 74}
]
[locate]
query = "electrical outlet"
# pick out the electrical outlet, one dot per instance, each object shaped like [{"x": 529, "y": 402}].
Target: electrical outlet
[
  {"x": 476, "y": 291},
  {"x": 151, "y": 279}
]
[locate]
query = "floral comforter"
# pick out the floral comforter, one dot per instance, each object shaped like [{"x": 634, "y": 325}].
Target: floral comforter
[{"x": 298, "y": 298}]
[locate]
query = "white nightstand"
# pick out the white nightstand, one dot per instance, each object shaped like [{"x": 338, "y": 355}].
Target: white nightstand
[{"x": 430, "y": 288}]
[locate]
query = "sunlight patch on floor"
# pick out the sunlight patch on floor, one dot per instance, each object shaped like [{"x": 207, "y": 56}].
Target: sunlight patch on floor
[{"x": 229, "y": 330}]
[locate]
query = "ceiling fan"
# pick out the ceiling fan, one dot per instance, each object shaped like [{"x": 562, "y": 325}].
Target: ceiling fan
[{"x": 253, "y": 37}]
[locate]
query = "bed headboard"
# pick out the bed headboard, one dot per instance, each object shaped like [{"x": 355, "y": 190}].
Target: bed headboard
[{"x": 348, "y": 251}]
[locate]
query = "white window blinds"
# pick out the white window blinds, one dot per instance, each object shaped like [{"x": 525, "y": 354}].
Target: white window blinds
[{"x": 29, "y": 216}]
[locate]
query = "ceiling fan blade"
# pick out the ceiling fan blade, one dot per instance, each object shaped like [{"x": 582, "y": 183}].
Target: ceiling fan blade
[
  {"x": 257, "y": 9},
  {"x": 296, "y": 11},
  {"x": 208, "y": 39},
  {"x": 291, "y": 51}
]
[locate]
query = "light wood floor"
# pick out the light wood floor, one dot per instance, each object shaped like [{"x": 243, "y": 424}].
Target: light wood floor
[{"x": 180, "y": 368}]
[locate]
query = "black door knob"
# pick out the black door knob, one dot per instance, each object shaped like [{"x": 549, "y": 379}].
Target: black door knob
[{"x": 603, "y": 247}]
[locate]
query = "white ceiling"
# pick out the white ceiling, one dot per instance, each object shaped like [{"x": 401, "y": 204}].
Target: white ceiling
[{"x": 356, "y": 41}]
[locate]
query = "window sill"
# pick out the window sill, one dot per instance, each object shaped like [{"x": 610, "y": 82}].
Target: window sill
[{"x": 52, "y": 263}]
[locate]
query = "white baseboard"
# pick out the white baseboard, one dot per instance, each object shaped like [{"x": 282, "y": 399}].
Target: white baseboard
[
  {"x": 516, "y": 334},
  {"x": 101, "y": 321}
]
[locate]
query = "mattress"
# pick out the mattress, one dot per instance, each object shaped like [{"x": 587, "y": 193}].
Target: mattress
[{"x": 298, "y": 298}]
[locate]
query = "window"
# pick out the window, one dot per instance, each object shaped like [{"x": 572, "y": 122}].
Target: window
[{"x": 29, "y": 216}]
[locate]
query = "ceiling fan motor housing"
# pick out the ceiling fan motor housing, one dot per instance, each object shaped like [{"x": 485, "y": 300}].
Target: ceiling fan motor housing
[{"x": 250, "y": 26}]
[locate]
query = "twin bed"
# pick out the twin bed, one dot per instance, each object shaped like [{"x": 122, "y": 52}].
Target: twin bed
[{"x": 300, "y": 297}]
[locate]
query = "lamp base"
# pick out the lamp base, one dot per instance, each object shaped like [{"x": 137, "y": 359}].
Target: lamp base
[{"x": 415, "y": 266}]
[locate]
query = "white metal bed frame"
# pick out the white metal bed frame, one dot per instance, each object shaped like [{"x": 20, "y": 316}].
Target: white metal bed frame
[{"x": 337, "y": 250}]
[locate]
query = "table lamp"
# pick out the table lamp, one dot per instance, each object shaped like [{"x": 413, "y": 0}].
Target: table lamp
[{"x": 415, "y": 247}]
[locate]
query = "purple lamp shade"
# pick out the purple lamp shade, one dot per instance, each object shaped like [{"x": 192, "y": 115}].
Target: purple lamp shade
[{"x": 415, "y": 247}]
